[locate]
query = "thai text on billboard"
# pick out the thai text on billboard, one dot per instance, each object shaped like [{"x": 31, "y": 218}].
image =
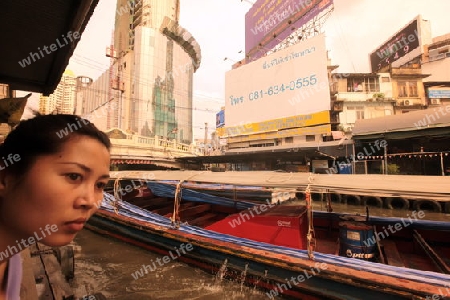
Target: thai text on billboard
[
  {"x": 289, "y": 82},
  {"x": 267, "y": 18},
  {"x": 396, "y": 47}
]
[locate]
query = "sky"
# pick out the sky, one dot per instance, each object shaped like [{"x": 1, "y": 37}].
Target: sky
[{"x": 353, "y": 30}]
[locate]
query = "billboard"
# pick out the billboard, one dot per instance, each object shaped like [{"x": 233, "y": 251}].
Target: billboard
[
  {"x": 273, "y": 18},
  {"x": 278, "y": 126},
  {"x": 292, "y": 81},
  {"x": 313, "y": 130},
  {"x": 220, "y": 119},
  {"x": 439, "y": 93},
  {"x": 403, "y": 46}
]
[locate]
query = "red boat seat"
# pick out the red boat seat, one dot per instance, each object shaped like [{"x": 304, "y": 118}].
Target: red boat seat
[{"x": 285, "y": 225}]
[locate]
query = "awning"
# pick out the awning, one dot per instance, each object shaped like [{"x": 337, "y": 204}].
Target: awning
[
  {"x": 158, "y": 163},
  {"x": 429, "y": 122},
  {"x": 37, "y": 40}
]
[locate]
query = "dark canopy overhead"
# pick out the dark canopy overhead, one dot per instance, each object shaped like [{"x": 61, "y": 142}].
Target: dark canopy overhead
[
  {"x": 37, "y": 39},
  {"x": 428, "y": 122}
]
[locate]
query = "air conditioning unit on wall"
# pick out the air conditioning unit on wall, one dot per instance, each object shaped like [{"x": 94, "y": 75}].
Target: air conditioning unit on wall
[
  {"x": 435, "y": 101},
  {"x": 408, "y": 103}
]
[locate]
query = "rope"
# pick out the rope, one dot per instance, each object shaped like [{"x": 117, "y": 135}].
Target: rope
[
  {"x": 117, "y": 195},
  {"x": 175, "y": 218},
  {"x": 311, "y": 236}
]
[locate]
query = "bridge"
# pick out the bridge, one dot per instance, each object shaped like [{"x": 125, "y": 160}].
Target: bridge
[{"x": 133, "y": 149}]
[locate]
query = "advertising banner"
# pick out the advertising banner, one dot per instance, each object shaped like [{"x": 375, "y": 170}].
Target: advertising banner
[
  {"x": 290, "y": 82},
  {"x": 270, "y": 21}
]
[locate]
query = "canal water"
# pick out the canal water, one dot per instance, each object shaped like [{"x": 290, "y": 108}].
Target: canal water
[{"x": 106, "y": 265}]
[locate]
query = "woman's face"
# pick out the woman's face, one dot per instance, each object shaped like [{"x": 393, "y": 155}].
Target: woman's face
[{"x": 58, "y": 194}]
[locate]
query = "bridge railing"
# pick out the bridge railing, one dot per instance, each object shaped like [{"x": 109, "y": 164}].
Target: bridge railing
[{"x": 138, "y": 141}]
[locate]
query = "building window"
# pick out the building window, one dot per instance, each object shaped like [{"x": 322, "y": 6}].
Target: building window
[
  {"x": 359, "y": 111},
  {"x": 289, "y": 140},
  {"x": 385, "y": 79},
  {"x": 363, "y": 84},
  {"x": 310, "y": 138},
  {"x": 407, "y": 89},
  {"x": 359, "y": 114}
]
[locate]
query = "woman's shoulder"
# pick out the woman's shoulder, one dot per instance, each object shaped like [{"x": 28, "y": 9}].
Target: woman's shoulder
[{"x": 14, "y": 277}]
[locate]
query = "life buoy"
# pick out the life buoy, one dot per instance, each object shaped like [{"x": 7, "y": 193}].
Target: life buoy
[
  {"x": 316, "y": 196},
  {"x": 335, "y": 197},
  {"x": 429, "y": 205},
  {"x": 352, "y": 199},
  {"x": 396, "y": 203},
  {"x": 372, "y": 201}
]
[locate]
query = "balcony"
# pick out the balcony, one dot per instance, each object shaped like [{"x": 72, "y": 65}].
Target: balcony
[
  {"x": 412, "y": 72},
  {"x": 354, "y": 96},
  {"x": 337, "y": 106}
]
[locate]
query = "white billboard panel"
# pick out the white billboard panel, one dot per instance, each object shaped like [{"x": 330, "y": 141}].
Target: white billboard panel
[{"x": 289, "y": 82}]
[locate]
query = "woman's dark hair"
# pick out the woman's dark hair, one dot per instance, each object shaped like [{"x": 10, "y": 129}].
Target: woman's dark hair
[{"x": 44, "y": 135}]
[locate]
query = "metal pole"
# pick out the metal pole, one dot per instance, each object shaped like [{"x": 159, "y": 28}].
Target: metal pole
[
  {"x": 442, "y": 164},
  {"x": 385, "y": 161},
  {"x": 205, "y": 139},
  {"x": 353, "y": 158}
]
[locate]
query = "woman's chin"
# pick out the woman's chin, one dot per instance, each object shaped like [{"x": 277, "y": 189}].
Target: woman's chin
[{"x": 58, "y": 240}]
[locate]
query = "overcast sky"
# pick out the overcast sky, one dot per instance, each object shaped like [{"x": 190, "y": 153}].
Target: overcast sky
[{"x": 354, "y": 29}]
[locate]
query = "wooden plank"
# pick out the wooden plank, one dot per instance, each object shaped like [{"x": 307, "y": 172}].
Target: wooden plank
[
  {"x": 437, "y": 260},
  {"x": 391, "y": 253},
  {"x": 28, "y": 289},
  {"x": 59, "y": 287},
  {"x": 149, "y": 202},
  {"x": 192, "y": 211},
  {"x": 169, "y": 209},
  {"x": 42, "y": 283},
  {"x": 203, "y": 219}
]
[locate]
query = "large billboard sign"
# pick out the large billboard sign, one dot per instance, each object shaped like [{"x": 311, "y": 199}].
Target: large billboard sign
[
  {"x": 439, "y": 93},
  {"x": 270, "y": 21},
  {"x": 292, "y": 81},
  {"x": 220, "y": 119},
  {"x": 299, "y": 124},
  {"x": 403, "y": 46}
]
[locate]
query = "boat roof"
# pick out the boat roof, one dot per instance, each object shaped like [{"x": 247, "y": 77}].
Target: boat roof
[{"x": 411, "y": 186}]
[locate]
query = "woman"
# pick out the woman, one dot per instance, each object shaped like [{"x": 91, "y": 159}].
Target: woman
[{"x": 53, "y": 169}]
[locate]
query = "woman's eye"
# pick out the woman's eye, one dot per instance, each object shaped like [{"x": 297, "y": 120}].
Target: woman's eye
[
  {"x": 73, "y": 176},
  {"x": 101, "y": 185}
]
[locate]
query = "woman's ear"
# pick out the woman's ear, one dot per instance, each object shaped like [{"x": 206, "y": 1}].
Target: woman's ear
[{"x": 4, "y": 179}]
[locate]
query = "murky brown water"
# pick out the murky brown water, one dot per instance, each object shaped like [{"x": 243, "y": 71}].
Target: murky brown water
[{"x": 105, "y": 265}]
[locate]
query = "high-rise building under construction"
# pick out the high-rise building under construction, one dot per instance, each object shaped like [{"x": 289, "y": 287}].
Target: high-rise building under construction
[{"x": 149, "y": 88}]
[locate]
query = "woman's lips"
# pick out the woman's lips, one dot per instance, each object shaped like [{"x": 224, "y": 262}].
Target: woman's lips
[{"x": 76, "y": 225}]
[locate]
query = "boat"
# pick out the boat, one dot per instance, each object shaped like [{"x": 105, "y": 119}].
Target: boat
[
  {"x": 285, "y": 250},
  {"x": 397, "y": 192},
  {"x": 238, "y": 192}
]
